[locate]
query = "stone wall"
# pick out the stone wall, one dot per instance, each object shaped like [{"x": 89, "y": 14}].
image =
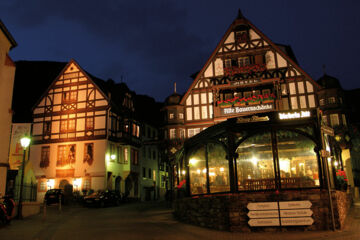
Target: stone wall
[
  {"x": 229, "y": 211},
  {"x": 342, "y": 202}
]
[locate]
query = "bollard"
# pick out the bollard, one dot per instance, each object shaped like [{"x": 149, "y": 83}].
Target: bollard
[
  {"x": 44, "y": 216},
  {"x": 60, "y": 203}
]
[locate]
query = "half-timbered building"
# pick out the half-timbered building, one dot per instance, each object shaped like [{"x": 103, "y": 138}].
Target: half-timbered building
[
  {"x": 246, "y": 74},
  {"x": 84, "y": 135}
]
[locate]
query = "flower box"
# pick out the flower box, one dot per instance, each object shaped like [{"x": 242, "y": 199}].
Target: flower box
[
  {"x": 238, "y": 104},
  {"x": 225, "y": 105},
  {"x": 268, "y": 101},
  {"x": 253, "y": 103}
]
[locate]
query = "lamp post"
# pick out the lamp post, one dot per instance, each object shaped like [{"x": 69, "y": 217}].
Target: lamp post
[{"x": 25, "y": 141}]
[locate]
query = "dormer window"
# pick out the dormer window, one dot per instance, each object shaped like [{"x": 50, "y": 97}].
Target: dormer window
[
  {"x": 241, "y": 36},
  {"x": 243, "y": 61}
]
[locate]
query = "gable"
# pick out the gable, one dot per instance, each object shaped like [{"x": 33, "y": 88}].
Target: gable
[{"x": 265, "y": 57}]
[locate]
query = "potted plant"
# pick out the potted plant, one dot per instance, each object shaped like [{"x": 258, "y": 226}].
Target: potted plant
[{"x": 341, "y": 180}]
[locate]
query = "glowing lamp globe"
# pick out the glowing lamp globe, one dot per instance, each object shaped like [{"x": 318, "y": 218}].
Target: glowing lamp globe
[{"x": 25, "y": 141}]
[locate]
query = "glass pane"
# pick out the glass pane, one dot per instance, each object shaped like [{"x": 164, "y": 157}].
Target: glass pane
[
  {"x": 298, "y": 161},
  {"x": 218, "y": 168},
  {"x": 255, "y": 166},
  {"x": 197, "y": 168}
]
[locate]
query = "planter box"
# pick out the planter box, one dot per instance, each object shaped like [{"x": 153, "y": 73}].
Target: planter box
[
  {"x": 268, "y": 101},
  {"x": 240, "y": 104}
]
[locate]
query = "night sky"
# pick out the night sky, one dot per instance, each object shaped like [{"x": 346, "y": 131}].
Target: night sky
[{"x": 152, "y": 44}]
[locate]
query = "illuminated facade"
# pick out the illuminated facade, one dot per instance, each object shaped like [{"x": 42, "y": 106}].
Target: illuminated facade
[
  {"x": 84, "y": 134},
  {"x": 7, "y": 72}
]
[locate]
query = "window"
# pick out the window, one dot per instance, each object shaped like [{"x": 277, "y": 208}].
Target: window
[
  {"x": 309, "y": 87},
  {"x": 182, "y": 133},
  {"x": 294, "y": 103},
  {"x": 144, "y": 172},
  {"x": 324, "y": 119},
  {"x": 302, "y": 102},
  {"x": 118, "y": 154},
  {"x": 334, "y": 120},
  {"x": 331, "y": 100},
  {"x": 150, "y": 173},
  {"x": 301, "y": 87},
  {"x": 203, "y": 98},
  {"x": 45, "y": 157},
  {"x": 69, "y": 96},
  {"x": 66, "y": 155},
  {"x": 266, "y": 91},
  {"x": 89, "y": 153},
  {"x": 171, "y": 116},
  {"x": 285, "y": 103},
  {"x": 343, "y": 119},
  {"x": 243, "y": 61},
  {"x": 311, "y": 99},
  {"x": 112, "y": 153},
  {"x": 42, "y": 186},
  {"x": 134, "y": 156},
  {"x": 172, "y": 133},
  {"x": 292, "y": 88},
  {"x": 89, "y": 123},
  {"x": 47, "y": 128},
  {"x": 297, "y": 160},
  {"x": 228, "y": 63},
  {"x": 196, "y": 99},
  {"x": 154, "y": 175},
  {"x": 204, "y": 112},
  {"x": 196, "y": 113},
  {"x": 67, "y": 125},
  {"x": 193, "y": 132},
  {"x": 188, "y": 101},
  {"x": 87, "y": 184},
  {"x": 181, "y": 116},
  {"x": 126, "y": 155},
  {"x": 218, "y": 168},
  {"x": 241, "y": 36},
  {"x": 322, "y": 102},
  {"x": 283, "y": 89},
  {"x": 247, "y": 94},
  {"x": 255, "y": 163},
  {"x": 188, "y": 114}
]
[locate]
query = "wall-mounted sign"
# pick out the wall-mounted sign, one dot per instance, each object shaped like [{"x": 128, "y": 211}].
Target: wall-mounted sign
[
  {"x": 255, "y": 108},
  {"x": 252, "y": 119},
  {"x": 294, "y": 115},
  {"x": 245, "y": 82}
]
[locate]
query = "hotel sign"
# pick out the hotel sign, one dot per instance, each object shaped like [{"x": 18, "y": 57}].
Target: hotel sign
[
  {"x": 246, "y": 109},
  {"x": 294, "y": 115}
]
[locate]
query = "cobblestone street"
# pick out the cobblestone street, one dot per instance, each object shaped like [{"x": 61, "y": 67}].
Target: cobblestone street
[{"x": 143, "y": 221}]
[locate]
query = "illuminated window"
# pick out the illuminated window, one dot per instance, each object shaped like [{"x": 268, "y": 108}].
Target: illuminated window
[
  {"x": 69, "y": 96},
  {"x": 189, "y": 113},
  {"x": 196, "y": 113},
  {"x": 89, "y": 123},
  {"x": 126, "y": 155},
  {"x": 172, "y": 133},
  {"x": 292, "y": 88},
  {"x": 324, "y": 119},
  {"x": 154, "y": 175},
  {"x": 67, "y": 125},
  {"x": 300, "y": 86},
  {"x": 88, "y": 153},
  {"x": 204, "y": 112},
  {"x": 134, "y": 156},
  {"x": 334, "y": 120},
  {"x": 47, "y": 127},
  {"x": 181, "y": 116},
  {"x": 42, "y": 187},
  {"x": 182, "y": 133},
  {"x": 171, "y": 115},
  {"x": 322, "y": 102},
  {"x": 66, "y": 155},
  {"x": 283, "y": 89},
  {"x": 343, "y": 119},
  {"x": 45, "y": 157},
  {"x": 294, "y": 103},
  {"x": 203, "y": 98},
  {"x": 193, "y": 132}
]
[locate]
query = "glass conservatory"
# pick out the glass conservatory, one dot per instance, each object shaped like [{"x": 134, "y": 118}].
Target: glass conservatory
[{"x": 255, "y": 153}]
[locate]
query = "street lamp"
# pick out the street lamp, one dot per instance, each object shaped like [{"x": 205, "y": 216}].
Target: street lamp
[{"x": 25, "y": 141}]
